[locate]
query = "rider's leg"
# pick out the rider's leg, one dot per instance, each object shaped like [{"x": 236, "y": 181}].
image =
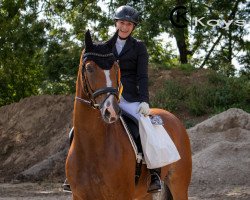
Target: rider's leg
[
  {"x": 131, "y": 108},
  {"x": 66, "y": 186}
]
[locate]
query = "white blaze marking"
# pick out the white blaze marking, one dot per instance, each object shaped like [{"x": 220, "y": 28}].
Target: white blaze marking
[{"x": 108, "y": 80}]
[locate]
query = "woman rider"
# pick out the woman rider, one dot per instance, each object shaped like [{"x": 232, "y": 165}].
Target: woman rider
[{"x": 133, "y": 61}]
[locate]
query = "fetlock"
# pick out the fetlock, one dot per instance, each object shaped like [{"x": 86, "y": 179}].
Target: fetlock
[{"x": 155, "y": 183}]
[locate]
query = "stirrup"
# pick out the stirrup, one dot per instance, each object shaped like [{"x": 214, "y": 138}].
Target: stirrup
[
  {"x": 66, "y": 187},
  {"x": 155, "y": 184}
]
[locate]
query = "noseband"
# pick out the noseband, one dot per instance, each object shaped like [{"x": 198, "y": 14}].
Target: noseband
[{"x": 92, "y": 95}]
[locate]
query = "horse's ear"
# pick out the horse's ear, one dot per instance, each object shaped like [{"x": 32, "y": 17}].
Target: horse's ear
[
  {"x": 88, "y": 41},
  {"x": 111, "y": 42}
]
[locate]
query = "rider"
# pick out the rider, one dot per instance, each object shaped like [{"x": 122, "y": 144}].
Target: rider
[
  {"x": 133, "y": 61},
  {"x": 132, "y": 57}
]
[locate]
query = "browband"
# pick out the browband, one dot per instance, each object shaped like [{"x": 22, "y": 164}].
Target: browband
[{"x": 97, "y": 54}]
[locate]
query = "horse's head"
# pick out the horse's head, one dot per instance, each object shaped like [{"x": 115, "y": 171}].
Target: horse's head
[{"x": 101, "y": 77}]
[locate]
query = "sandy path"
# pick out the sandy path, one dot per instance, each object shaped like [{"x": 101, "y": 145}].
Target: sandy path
[
  {"x": 32, "y": 191},
  {"x": 53, "y": 191}
]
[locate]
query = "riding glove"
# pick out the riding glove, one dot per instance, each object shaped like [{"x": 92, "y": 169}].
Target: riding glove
[{"x": 143, "y": 108}]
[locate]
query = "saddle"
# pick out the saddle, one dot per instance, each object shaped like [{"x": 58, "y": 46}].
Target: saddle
[{"x": 133, "y": 127}]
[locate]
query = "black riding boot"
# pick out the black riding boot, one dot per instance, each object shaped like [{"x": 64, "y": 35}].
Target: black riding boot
[
  {"x": 155, "y": 184},
  {"x": 66, "y": 186}
]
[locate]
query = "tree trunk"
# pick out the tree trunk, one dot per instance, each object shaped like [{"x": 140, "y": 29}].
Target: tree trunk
[
  {"x": 179, "y": 34},
  {"x": 181, "y": 38},
  {"x": 230, "y": 48},
  {"x": 210, "y": 51}
]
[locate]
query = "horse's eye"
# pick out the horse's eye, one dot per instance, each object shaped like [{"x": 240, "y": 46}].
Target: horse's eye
[{"x": 89, "y": 68}]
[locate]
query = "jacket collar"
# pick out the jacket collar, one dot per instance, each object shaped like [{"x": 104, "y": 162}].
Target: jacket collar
[{"x": 127, "y": 46}]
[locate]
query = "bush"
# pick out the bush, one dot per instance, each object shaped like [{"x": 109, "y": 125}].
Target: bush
[
  {"x": 215, "y": 94},
  {"x": 229, "y": 92},
  {"x": 170, "y": 97},
  {"x": 199, "y": 99}
]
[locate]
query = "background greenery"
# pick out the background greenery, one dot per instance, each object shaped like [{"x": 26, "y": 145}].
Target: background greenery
[
  {"x": 41, "y": 43},
  {"x": 213, "y": 94}
]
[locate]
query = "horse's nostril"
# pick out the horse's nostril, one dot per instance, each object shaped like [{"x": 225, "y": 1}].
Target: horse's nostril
[{"x": 112, "y": 119}]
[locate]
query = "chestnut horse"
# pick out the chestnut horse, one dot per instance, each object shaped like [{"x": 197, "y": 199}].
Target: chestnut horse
[{"x": 101, "y": 161}]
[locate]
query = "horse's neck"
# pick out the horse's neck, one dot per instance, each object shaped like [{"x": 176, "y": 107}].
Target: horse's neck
[
  {"x": 86, "y": 116},
  {"x": 90, "y": 129},
  {"x": 88, "y": 122},
  {"x": 94, "y": 138}
]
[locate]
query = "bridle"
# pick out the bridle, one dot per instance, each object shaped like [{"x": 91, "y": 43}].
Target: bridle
[{"x": 92, "y": 95}]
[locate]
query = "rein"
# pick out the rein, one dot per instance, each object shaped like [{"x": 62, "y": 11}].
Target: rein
[{"x": 106, "y": 90}]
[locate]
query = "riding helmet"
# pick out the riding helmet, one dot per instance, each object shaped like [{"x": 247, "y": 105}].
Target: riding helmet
[{"x": 127, "y": 13}]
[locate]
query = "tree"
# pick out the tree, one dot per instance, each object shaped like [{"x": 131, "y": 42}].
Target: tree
[
  {"x": 69, "y": 21},
  {"x": 226, "y": 41},
  {"x": 21, "y": 38},
  {"x": 219, "y": 44}
]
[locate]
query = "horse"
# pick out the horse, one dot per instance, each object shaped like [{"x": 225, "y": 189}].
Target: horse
[{"x": 101, "y": 162}]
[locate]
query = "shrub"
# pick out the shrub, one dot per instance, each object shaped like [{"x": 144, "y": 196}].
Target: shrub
[
  {"x": 170, "y": 97},
  {"x": 214, "y": 94},
  {"x": 199, "y": 98}
]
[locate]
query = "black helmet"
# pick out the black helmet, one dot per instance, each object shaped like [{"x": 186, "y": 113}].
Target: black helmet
[{"x": 127, "y": 13}]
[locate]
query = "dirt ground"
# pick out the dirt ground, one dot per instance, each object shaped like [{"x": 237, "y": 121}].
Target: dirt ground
[
  {"x": 53, "y": 191},
  {"x": 32, "y": 191}
]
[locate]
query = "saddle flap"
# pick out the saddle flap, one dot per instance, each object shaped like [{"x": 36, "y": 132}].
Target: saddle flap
[{"x": 129, "y": 116}]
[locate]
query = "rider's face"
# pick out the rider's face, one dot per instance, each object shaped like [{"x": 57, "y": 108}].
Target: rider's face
[{"x": 125, "y": 28}]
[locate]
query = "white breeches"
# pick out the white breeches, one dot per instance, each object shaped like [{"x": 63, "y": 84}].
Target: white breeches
[{"x": 130, "y": 107}]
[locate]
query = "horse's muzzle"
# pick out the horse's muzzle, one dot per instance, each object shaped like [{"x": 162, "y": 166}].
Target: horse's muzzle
[{"x": 110, "y": 110}]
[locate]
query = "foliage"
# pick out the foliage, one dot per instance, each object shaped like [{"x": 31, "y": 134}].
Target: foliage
[
  {"x": 217, "y": 93},
  {"x": 221, "y": 44},
  {"x": 218, "y": 45},
  {"x": 39, "y": 53},
  {"x": 41, "y": 42},
  {"x": 170, "y": 97},
  {"x": 22, "y": 37}
]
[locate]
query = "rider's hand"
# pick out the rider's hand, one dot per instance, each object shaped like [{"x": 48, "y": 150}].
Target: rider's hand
[{"x": 143, "y": 108}]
